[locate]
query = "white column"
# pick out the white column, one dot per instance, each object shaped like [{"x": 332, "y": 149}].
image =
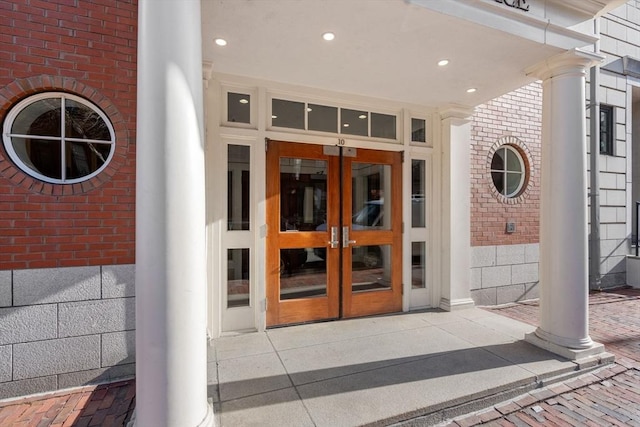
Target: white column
[
  {"x": 564, "y": 290},
  {"x": 171, "y": 353},
  {"x": 456, "y": 208}
]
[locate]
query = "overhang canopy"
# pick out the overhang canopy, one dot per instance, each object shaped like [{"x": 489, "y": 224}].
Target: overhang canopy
[{"x": 390, "y": 48}]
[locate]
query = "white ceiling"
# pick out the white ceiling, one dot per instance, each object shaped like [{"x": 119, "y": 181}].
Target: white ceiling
[{"x": 383, "y": 48}]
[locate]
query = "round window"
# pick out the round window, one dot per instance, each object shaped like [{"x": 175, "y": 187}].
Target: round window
[
  {"x": 508, "y": 171},
  {"x": 58, "y": 138}
]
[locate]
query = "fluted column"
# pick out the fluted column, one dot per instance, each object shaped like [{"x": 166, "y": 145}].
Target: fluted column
[{"x": 171, "y": 354}]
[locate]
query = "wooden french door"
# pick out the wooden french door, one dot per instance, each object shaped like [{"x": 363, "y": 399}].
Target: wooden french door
[{"x": 334, "y": 232}]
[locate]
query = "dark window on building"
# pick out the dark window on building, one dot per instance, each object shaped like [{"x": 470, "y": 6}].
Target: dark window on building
[{"x": 606, "y": 130}]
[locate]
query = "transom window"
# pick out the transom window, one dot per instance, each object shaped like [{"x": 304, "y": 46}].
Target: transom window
[
  {"x": 508, "y": 171},
  {"x": 58, "y": 138},
  {"x": 327, "y": 118}
]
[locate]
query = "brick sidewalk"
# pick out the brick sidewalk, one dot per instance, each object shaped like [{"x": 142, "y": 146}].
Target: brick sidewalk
[
  {"x": 610, "y": 396},
  {"x": 107, "y": 405}
]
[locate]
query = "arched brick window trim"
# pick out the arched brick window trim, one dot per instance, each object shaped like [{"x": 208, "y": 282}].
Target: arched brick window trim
[
  {"x": 22, "y": 88},
  {"x": 528, "y": 164}
]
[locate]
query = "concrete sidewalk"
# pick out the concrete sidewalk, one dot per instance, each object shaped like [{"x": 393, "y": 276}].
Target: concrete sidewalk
[
  {"x": 608, "y": 396},
  {"x": 418, "y": 367},
  {"x": 378, "y": 370}
]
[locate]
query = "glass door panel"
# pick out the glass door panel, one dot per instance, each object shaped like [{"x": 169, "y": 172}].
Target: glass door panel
[
  {"x": 372, "y": 234},
  {"x": 329, "y": 214},
  {"x": 302, "y": 274}
]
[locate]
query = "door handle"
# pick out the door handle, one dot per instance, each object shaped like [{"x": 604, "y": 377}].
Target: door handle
[
  {"x": 334, "y": 242},
  {"x": 345, "y": 238}
]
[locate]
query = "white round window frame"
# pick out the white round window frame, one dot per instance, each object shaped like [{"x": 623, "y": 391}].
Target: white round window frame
[
  {"x": 506, "y": 171},
  {"x": 524, "y": 155},
  {"x": 8, "y": 143}
]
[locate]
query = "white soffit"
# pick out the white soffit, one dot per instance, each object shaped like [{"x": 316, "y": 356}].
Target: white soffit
[{"x": 386, "y": 49}]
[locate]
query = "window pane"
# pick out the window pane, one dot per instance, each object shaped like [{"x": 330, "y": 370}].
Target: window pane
[
  {"x": 85, "y": 158},
  {"x": 606, "y": 129},
  {"x": 383, "y": 126},
  {"x": 40, "y": 155},
  {"x": 82, "y": 122},
  {"x": 371, "y": 196},
  {"x": 287, "y": 114},
  {"x": 238, "y": 278},
  {"x": 40, "y": 118},
  {"x": 417, "y": 265},
  {"x": 513, "y": 183},
  {"x": 238, "y": 172},
  {"x": 497, "y": 163},
  {"x": 417, "y": 193},
  {"x": 513, "y": 162},
  {"x": 370, "y": 268},
  {"x": 238, "y": 108},
  {"x": 354, "y": 122},
  {"x": 303, "y": 273},
  {"x": 498, "y": 181},
  {"x": 303, "y": 194},
  {"x": 322, "y": 118},
  {"x": 418, "y": 130}
]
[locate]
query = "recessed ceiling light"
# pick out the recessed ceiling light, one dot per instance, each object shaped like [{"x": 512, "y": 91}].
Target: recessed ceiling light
[
  {"x": 309, "y": 109},
  {"x": 443, "y": 62},
  {"x": 274, "y": 117},
  {"x": 221, "y": 42},
  {"x": 328, "y": 36},
  {"x": 362, "y": 116},
  {"x": 346, "y": 125},
  {"x": 244, "y": 101},
  {"x": 471, "y": 90}
]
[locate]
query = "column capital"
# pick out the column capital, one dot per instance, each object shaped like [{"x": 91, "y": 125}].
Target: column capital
[
  {"x": 570, "y": 61},
  {"x": 207, "y": 72},
  {"x": 456, "y": 111}
]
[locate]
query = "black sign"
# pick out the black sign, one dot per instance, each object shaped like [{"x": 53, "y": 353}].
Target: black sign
[{"x": 517, "y": 4}]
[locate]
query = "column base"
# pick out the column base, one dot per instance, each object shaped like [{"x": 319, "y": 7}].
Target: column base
[
  {"x": 456, "y": 304},
  {"x": 208, "y": 421},
  {"x": 593, "y": 352}
]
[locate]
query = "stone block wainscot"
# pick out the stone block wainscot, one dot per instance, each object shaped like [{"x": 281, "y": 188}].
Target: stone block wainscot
[
  {"x": 65, "y": 327},
  {"x": 504, "y": 274}
]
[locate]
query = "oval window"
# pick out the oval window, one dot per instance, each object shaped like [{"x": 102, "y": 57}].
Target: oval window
[
  {"x": 59, "y": 138},
  {"x": 508, "y": 171}
]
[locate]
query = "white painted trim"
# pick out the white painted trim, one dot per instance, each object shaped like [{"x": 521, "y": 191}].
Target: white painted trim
[
  {"x": 537, "y": 27},
  {"x": 220, "y": 134}
]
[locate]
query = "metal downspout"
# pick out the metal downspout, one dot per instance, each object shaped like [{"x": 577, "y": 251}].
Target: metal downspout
[{"x": 594, "y": 169}]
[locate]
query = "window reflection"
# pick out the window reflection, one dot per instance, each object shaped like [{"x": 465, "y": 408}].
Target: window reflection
[
  {"x": 303, "y": 194},
  {"x": 418, "y": 193},
  {"x": 417, "y": 265},
  {"x": 238, "y": 170},
  {"x": 303, "y": 273},
  {"x": 287, "y": 114},
  {"x": 238, "y": 278},
  {"x": 238, "y": 107},
  {"x": 383, "y": 126},
  {"x": 371, "y": 196},
  {"x": 370, "y": 268}
]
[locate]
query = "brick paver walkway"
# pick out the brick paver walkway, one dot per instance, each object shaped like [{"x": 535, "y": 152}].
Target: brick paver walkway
[
  {"x": 107, "y": 405},
  {"x": 610, "y": 396}
]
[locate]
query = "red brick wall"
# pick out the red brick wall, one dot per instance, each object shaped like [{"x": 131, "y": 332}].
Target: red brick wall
[
  {"x": 516, "y": 114},
  {"x": 85, "y": 47}
]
